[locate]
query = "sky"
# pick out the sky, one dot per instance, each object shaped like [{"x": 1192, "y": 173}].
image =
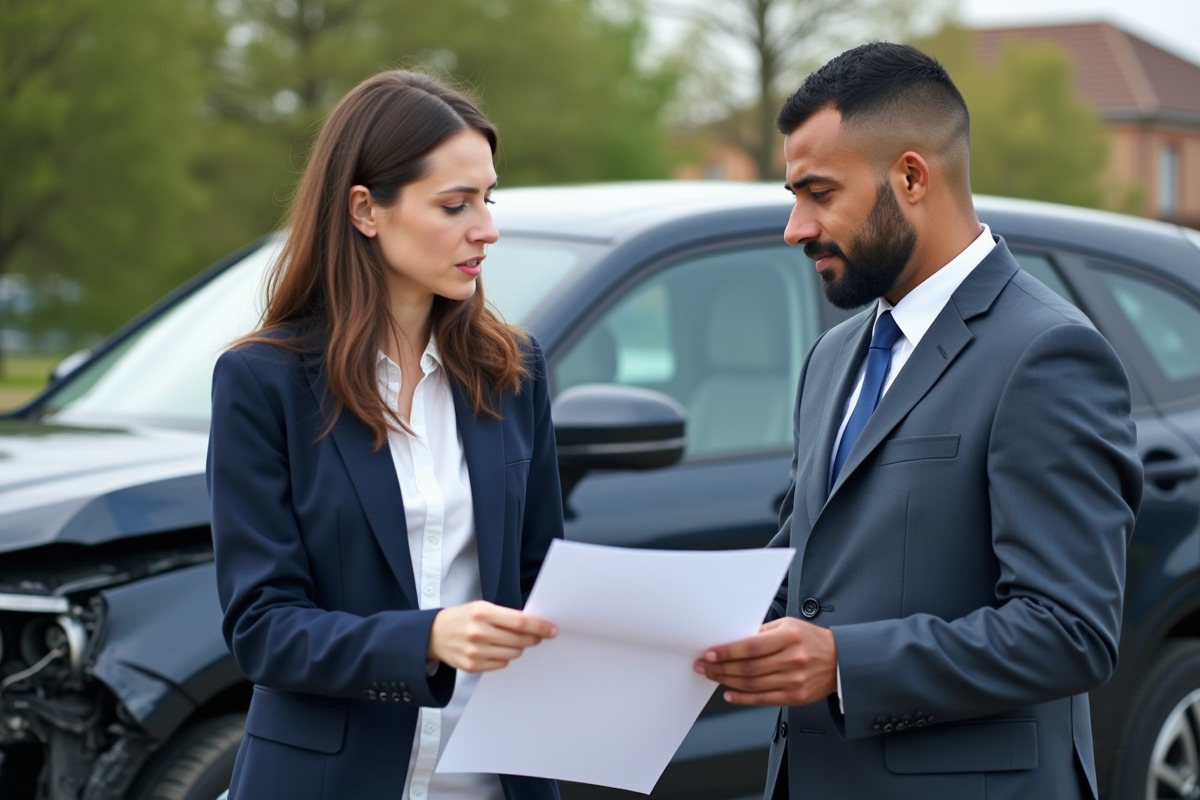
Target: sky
[{"x": 1173, "y": 25}]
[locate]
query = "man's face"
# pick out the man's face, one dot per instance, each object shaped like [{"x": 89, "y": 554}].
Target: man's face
[{"x": 846, "y": 217}]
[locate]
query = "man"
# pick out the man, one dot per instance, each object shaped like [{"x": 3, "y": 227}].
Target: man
[{"x": 960, "y": 546}]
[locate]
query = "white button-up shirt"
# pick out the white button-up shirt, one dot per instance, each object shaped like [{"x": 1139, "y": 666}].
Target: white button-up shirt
[
  {"x": 915, "y": 313},
  {"x": 432, "y": 470}
]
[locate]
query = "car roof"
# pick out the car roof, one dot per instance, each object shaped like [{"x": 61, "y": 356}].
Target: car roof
[
  {"x": 605, "y": 212},
  {"x": 615, "y": 211}
]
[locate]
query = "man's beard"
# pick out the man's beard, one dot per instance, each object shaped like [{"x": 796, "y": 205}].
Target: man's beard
[{"x": 878, "y": 254}]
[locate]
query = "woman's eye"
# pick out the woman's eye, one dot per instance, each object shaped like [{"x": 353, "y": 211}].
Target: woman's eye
[
  {"x": 455, "y": 209},
  {"x": 489, "y": 200}
]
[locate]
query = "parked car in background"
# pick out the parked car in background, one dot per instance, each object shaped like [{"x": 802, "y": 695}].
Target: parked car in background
[{"x": 114, "y": 679}]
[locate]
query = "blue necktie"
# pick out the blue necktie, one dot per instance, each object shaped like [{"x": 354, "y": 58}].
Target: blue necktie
[{"x": 879, "y": 358}]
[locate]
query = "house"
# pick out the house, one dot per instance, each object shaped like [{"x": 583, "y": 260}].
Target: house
[{"x": 1147, "y": 98}]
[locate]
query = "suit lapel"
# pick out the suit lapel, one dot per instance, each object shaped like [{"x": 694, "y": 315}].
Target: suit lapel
[
  {"x": 941, "y": 344},
  {"x": 849, "y": 359},
  {"x": 483, "y": 446},
  {"x": 374, "y": 478}
]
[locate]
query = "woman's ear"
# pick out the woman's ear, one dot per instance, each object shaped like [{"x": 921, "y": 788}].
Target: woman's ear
[{"x": 362, "y": 211}]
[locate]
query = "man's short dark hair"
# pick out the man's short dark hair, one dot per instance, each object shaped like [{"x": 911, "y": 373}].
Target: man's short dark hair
[{"x": 880, "y": 82}]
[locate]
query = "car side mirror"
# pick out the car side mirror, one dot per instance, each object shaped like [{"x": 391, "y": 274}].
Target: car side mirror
[{"x": 610, "y": 426}]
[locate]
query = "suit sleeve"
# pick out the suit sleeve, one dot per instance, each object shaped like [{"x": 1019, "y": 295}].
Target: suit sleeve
[
  {"x": 279, "y": 637},
  {"x": 543, "y": 520},
  {"x": 1064, "y": 484}
]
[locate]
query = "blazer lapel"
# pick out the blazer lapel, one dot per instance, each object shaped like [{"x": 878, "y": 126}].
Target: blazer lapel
[
  {"x": 483, "y": 446},
  {"x": 374, "y": 478},
  {"x": 849, "y": 359},
  {"x": 941, "y": 344}
]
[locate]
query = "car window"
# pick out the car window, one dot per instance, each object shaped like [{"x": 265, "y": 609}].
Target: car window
[
  {"x": 1166, "y": 322},
  {"x": 724, "y": 333},
  {"x": 162, "y": 372},
  {"x": 1041, "y": 267}
]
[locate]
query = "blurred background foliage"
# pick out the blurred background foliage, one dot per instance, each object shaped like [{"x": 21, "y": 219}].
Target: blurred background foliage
[{"x": 144, "y": 139}]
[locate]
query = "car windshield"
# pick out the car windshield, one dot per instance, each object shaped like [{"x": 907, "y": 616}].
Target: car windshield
[{"x": 162, "y": 372}]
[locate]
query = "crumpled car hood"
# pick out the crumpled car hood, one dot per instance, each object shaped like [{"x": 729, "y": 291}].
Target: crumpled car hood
[{"x": 92, "y": 485}]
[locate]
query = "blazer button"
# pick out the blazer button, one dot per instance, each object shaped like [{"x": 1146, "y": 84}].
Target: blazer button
[
  {"x": 371, "y": 694},
  {"x": 407, "y": 697},
  {"x": 810, "y": 607},
  {"x": 783, "y": 729}
]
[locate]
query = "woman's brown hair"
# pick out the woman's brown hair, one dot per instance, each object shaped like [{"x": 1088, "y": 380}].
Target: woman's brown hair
[{"x": 328, "y": 288}]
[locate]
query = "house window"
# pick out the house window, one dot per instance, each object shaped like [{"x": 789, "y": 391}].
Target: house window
[{"x": 1168, "y": 181}]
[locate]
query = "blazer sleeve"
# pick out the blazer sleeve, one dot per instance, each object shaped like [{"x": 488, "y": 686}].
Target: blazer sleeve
[
  {"x": 1064, "y": 484},
  {"x": 279, "y": 637},
  {"x": 543, "y": 520}
]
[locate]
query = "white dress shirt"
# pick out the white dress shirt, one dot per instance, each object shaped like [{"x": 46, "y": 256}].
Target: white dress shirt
[
  {"x": 436, "y": 488},
  {"x": 914, "y": 315}
]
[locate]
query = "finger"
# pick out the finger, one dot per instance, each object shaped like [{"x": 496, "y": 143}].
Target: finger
[
  {"x": 724, "y": 672},
  {"x": 758, "y": 646},
  {"x": 520, "y": 622},
  {"x": 502, "y": 637},
  {"x": 775, "y": 697}
]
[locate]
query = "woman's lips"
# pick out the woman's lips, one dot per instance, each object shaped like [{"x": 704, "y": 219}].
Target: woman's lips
[{"x": 472, "y": 267}]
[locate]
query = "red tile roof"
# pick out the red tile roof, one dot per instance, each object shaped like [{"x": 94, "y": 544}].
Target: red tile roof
[{"x": 1122, "y": 74}]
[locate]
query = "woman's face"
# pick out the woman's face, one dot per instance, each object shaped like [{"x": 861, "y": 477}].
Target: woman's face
[{"x": 433, "y": 238}]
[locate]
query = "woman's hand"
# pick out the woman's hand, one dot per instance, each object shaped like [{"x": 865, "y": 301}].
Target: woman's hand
[{"x": 481, "y": 636}]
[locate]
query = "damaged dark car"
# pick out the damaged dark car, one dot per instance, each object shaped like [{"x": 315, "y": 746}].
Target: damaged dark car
[{"x": 115, "y": 682}]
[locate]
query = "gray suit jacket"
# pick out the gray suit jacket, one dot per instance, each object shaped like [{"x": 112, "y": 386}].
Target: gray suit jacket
[{"x": 970, "y": 559}]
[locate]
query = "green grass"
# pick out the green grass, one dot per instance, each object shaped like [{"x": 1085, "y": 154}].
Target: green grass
[{"x": 22, "y": 375}]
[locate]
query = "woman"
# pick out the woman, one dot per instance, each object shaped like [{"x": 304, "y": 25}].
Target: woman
[{"x": 382, "y": 464}]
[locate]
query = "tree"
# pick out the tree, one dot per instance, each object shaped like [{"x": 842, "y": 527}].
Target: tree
[
  {"x": 744, "y": 56},
  {"x": 560, "y": 79},
  {"x": 96, "y": 131},
  {"x": 1031, "y": 136}
]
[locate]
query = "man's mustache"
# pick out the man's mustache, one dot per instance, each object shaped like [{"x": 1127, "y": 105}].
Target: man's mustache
[{"x": 816, "y": 250}]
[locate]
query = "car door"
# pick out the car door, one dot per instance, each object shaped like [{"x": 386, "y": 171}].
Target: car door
[
  {"x": 1154, "y": 324},
  {"x": 723, "y": 330}
]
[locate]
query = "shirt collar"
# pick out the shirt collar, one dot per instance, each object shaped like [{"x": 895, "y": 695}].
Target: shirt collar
[
  {"x": 431, "y": 359},
  {"x": 915, "y": 313}
]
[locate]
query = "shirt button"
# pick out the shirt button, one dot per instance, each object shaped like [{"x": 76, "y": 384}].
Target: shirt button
[
  {"x": 418, "y": 790},
  {"x": 433, "y": 540},
  {"x": 430, "y": 729},
  {"x": 429, "y": 591}
]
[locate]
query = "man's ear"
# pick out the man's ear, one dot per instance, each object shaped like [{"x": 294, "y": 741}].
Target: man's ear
[
  {"x": 362, "y": 211},
  {"x": 911, "y": 176}
]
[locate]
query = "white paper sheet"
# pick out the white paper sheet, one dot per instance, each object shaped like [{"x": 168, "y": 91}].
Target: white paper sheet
[{"x": 609, "y": 700}]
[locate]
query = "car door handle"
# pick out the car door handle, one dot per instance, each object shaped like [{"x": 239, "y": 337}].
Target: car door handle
[{"x": 1166, "y": 472}]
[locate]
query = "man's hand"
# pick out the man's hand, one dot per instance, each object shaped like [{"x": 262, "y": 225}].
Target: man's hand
[
  {"x": 789, "y": 662},
  {"x": 481, "y": 636}
]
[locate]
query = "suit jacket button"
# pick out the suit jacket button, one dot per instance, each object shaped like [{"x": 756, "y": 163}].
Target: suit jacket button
[
  {"x": 371, "y": 694},
  {"x": 888, "y": 728},
  {"x": 783, "y": 729},
  {"x": 407, "y": 697},
  {"x": 810, "y": 607}
]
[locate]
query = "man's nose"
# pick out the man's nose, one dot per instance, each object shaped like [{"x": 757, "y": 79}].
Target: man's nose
[{"x": 800, "y": 228}]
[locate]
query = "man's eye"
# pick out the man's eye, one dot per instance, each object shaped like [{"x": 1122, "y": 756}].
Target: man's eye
[{"x": 819, "y": 195}]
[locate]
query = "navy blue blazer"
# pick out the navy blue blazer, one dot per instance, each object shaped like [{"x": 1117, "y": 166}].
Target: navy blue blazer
[{"x": 315, "y": 579}]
